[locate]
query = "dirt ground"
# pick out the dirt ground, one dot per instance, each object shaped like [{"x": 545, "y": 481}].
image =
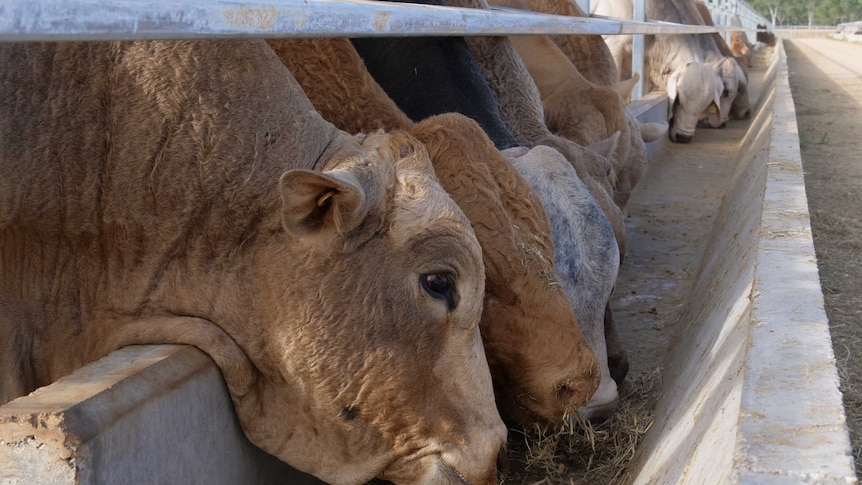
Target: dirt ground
[{"x": 826, "y": 82}]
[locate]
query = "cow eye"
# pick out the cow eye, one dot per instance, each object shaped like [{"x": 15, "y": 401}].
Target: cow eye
[
  {"x": 725, "y": 93},
  {"x": 440, "y": 286}
]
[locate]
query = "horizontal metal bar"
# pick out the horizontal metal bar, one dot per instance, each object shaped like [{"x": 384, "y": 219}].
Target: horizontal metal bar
[
  {"x": 672, "y": 28},
  {"x": 54, "y": 20}
]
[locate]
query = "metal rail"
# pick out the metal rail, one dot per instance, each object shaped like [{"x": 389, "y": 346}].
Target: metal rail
[{"x": 55, "y": 20}]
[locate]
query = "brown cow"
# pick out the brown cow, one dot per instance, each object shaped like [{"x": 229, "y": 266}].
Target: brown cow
[
  {"x": 539, "y": 361},
  {"x": 740, "y": 47},
  {"x": 188, "y": 192}
]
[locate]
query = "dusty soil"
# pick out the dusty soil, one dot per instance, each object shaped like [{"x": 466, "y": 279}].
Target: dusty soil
[{"x": 826, "y": 82}]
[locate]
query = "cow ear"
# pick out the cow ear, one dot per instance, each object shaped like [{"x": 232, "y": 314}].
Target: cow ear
[
  {"x": 607, "y": 146},
  {"x": 716, "y": 93},
  {"x": 321, "y": 202},
  {"x": 672, "y": 91},
  {"x": 624, "y": 88},
  {"x": 742, "y": 88}
]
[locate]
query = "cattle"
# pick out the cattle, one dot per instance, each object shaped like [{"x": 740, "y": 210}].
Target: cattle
[
  {"x": 593, "y": 60},
  {"x": 764, "y": 36},
  {"x": 587, "y": 257},
  {"x": 520, "y": 106},
  {"x": 585, "y": 112},
  {"x": 502, "y": 65},
  {"x": 188, "y": 193},
  {"x": 407, "y": 70},
  {"x": 520, "y": 110},
  {"x": 539, "y": 361},
  {"x": 574, "y": 107},
  {"x": 452, "y": 80},
  {"x": 673, "y": 62},
  {"x": 532, "y": 336},
  {"x": 589, "y": 53},
  {"x": 732, "y": 71},
  {"x": 740, "y": 47}
]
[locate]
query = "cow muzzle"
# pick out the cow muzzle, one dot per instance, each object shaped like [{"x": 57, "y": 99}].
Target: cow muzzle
[{"x": 680, "y": 138}]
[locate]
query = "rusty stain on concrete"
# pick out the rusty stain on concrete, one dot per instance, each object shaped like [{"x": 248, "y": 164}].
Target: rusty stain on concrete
[
  {"x": 381, "y": 21},
  {"x": 262, "y": 18}
]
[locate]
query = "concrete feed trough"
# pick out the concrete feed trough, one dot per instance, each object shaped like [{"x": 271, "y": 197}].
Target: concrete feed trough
[
  {"x": 720, "y": 289},
  {"x": 723, "y": 270}
]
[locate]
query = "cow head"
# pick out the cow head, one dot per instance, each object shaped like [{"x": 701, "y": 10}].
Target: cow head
[
  {"x": 734, "y": 93},
  {"x": 372, "y": 363},
  {"x": 540, "y": 363},
  {"x": 587, "y": 256},
  {"x": 739, "y": 44},
  {"x": 740, "y": 109},
  {"x": 691, "y": 90}
]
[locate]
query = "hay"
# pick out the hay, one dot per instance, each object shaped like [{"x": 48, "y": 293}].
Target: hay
[{"x": 574, "y": 451}]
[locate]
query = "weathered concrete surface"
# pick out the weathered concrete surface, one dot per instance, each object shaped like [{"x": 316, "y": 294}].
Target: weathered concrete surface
[
  {"x": 144, "y": 414},
  {"x": 792, "y": 427},
  {"x": 728, "y": 304},
  {"x": 652, "y": 107}
]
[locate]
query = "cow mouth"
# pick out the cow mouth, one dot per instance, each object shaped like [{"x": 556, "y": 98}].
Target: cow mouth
[
  {"x": 445, "y": 475},
  {"x": 451, "y": 475}
]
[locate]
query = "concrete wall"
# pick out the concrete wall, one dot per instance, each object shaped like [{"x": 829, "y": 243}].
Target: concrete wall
[{"x": 142, "y": 415}]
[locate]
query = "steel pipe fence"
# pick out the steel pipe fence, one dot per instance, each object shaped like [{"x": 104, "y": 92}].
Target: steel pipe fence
[
  {"x": 57, "y": 20},
  {"x": 94, "y": 20}
]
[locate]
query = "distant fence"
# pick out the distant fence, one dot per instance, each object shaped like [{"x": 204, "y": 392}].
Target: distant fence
[
  {"x": 737, "y": 13},
  {"x": 805, "y": 32}
]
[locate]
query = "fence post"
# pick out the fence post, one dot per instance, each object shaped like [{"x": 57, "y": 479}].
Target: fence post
[
  {"x": 639, "y": 15},
  {"x": 585, "y": 6}
]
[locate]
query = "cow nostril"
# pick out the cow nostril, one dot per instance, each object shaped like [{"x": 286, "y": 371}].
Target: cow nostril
[{"x": 566, "y": 393}]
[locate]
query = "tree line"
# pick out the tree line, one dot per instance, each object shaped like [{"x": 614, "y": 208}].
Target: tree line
[{"x": 809, "y": 12}]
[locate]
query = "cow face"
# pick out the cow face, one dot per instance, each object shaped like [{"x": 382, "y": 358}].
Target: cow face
[
  {"x": 586, "y": 257},
  {"x": 734, "y": 92},
  {"x": 740, "y": 109},
  {"x": 373, "y": 364},
  {"x": 691, "y": 90}
]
